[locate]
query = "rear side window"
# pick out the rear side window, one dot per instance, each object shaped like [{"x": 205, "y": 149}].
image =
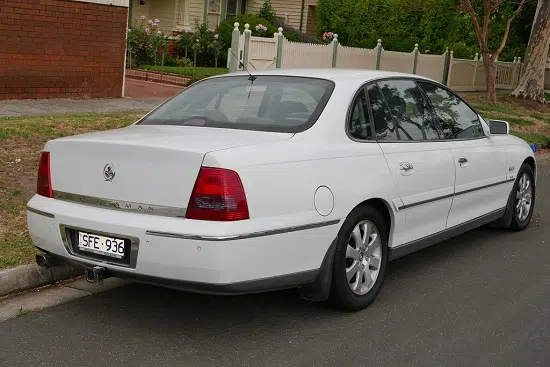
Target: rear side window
[
  {"x": 268, "y": 103},
  {"x": 381, "y": 115},
  {"x": 456, "y": 118},
  {"x": 359, "y": 125},
  {"x": 410, "y": 110}
]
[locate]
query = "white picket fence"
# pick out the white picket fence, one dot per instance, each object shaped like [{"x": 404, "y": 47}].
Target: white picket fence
[{"x": 459, "y": 74}]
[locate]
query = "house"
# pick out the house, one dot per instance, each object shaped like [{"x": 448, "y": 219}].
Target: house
[{"x": 298, "y": 14}]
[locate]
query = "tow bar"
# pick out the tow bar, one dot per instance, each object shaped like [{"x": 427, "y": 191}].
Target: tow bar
[{"x": 95, "y": 275}]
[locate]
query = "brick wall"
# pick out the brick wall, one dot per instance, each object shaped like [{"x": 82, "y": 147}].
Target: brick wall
[{"x": 61, "y": 49}]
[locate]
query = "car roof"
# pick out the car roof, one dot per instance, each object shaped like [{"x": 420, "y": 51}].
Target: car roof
[{"x": 334, "y": 74}]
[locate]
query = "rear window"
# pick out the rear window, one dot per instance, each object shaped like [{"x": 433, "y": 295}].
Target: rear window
[{"x": 268, "y": 103}]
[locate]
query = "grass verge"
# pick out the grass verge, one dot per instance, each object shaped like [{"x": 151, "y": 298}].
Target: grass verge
[
  {"x": 22, "y": 140},
  {"x": 528, "y": 120}
]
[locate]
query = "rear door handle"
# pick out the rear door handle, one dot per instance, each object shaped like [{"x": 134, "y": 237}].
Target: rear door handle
[
  {"x": 463, "y": 162},
  {"x": 406, "y": 168}
]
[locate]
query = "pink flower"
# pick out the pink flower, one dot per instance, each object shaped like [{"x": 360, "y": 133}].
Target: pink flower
[
  {"x": 157, "y": 21},
  {"x": 150, "y": 21},
  {"x": 216, "y": 36},
  {"x": 147, "y": 30},
  {"x": 154, "y": 25},
  {"x": 187, "y": 30},
  {"x": 262, "y": 27},
  {"x": 179, "y": 28},
  {"x": 142, "y": 17}
]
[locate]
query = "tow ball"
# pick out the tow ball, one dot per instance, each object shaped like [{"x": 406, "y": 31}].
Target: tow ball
[{"x": 95, "y": 275}]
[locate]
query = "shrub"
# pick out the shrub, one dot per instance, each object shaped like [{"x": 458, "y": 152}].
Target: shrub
[
  {"x": 146, "y": 42},
  {"x": 201, "y": 45},
  {"x": 293, "y": 36},
  {"x": 184, "y": 62},
  {"x": 267, "y": 12},
  {"x": 169, "y": 61},
  {"x": 260, "y": 28},
  {"x": 140, "y": 42}
]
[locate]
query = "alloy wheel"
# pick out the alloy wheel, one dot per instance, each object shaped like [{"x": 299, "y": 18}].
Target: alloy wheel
[{"x": 363, "y": 257}]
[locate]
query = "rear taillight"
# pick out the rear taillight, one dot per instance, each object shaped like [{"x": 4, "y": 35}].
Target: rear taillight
[
  {"x": 44, "y": 181},
  {"x": 218, "y": 195}
]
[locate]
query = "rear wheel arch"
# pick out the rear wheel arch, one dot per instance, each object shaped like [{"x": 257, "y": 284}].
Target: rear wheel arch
[{"x": 384, "y": 208}]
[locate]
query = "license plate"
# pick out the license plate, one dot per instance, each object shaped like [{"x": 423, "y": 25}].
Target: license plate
[{"x": 101, "y": 245}]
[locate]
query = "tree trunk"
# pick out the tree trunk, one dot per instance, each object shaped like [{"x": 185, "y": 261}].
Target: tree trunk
[
  {"x": 490, "y": 66},
  {"x": 531, "y": 84}
]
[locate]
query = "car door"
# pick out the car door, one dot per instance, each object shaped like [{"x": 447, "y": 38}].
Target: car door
[
  {"x": 421, "y": 164},
  {"x": 481, "y": 162}
]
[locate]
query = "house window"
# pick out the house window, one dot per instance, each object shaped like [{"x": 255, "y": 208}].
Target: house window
[
  {"x": 235, "y": 7},
  {"x": 231, "y": 9},
  {"x": 214, "y": 12}
]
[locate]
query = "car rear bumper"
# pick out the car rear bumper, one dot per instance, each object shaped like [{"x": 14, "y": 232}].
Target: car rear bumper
[{"x": 167, "y": 251}]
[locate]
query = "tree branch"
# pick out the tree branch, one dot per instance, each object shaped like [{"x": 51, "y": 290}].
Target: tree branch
[
  {"x": 495, "y": 5},
  {"x": 507, "y": 30},
  {"x": 468, "y": 8}
]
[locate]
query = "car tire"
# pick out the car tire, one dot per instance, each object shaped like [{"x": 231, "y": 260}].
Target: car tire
[
  {"x": 523, "y": 196},
  {"x": 362, "y": 260}
]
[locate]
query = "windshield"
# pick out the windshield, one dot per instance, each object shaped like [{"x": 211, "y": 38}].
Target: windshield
[{"x": 269, "y": 103}]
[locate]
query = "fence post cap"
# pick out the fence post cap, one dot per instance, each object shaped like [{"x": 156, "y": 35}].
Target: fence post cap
[
  {"x": 247, "y": 26},
  {"x": 280, "y": 29},
  {"x": 236, "y": 25},
  {"x": 335, "y": 36},
  {"x": 379, "y": 41},
  {"x": 416, "y": 45}
]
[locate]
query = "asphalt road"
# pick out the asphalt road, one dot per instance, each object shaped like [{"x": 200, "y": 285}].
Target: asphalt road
[{"x": 482, "y": 299}]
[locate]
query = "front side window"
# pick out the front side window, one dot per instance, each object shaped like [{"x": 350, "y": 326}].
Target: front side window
[
  {"x": 456, "y": 118},
  {"x": 410, "y": 110},
  {"x": 359, "y": 126},
  {"x": 268, "y": 103}
]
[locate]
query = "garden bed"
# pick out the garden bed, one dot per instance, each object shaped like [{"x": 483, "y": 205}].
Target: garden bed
[{"x": 180, "y": 76}]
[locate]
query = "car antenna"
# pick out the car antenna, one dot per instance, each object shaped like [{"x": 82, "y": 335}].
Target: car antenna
[{"x": 250, "y": 77}]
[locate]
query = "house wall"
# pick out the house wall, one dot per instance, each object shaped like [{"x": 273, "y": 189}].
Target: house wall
[
  {"x": 196, "y": 11},
  {"x": 62, "y": 49},
  {"x": 171, "y": 13},
  {"x": 163, "y": 10},
  {"x": 290, "y": 9}
]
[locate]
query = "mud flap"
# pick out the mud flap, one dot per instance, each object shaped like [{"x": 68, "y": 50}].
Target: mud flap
[{"x": 319, "y": 290}]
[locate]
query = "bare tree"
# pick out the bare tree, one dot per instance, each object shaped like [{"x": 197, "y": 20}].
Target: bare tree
[
  {"x": 531, "y": 83},
  {"x": 481, "y": 27}
]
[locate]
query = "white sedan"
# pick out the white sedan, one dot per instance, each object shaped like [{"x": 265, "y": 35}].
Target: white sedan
[{"x": 312, "y": 179}]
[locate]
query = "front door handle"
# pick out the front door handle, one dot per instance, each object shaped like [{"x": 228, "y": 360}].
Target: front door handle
[{"x": 463, "y": 162}]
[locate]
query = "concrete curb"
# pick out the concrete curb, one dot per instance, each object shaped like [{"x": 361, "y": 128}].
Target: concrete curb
[{"x": 31, "y": 276}]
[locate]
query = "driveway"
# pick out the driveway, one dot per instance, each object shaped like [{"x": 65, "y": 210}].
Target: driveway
[
  {"x": 139, "y": 96},
  {"x": 478, "y": 300}
]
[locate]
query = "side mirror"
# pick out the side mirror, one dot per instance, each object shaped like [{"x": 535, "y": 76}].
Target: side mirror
[{"x": 499, "y": 127}]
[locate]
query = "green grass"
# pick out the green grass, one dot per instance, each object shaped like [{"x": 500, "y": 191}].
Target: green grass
[
  {"x": 22, "y": 312},
  {"x": 541, "y": 117},
  {"x": 542, "y": 141},
  {"x": 488, "y": 108},
  {"x": 49, "y": 127},
  {"x": 22, "y": 139},
  {"x": 16, "y": 249},
  {"x": 197, "y": 72}
]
